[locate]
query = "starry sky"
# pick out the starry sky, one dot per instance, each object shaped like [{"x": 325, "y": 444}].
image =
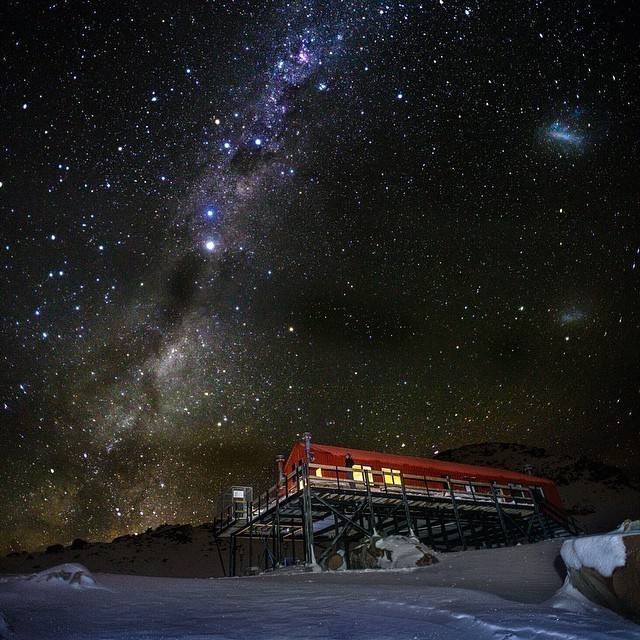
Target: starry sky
[{"x": 405, "y": 226}]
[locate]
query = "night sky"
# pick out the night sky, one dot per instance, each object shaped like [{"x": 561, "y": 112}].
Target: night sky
[{"x": 404, "y": 226}]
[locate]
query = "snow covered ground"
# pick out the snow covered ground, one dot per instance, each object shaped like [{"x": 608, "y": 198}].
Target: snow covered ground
[{"x": 514, "y": 593}]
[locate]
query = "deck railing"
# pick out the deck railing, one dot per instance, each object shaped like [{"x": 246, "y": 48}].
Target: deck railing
[{"x": 378, "y": 482}]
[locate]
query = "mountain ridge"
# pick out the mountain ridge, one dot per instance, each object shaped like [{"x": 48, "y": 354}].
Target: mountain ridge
[{"x": 597, "y": 495}]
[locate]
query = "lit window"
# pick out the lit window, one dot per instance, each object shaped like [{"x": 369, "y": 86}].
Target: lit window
[
  {"x": 392, "y": 476},
  {"x": 358, "y": 474}
]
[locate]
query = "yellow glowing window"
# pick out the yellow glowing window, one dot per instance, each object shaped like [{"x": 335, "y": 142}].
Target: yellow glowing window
[
  {"x": 392, "y": 476},
  {"x": 319, "y": 472},
  {"x": 358, "y": 474}
]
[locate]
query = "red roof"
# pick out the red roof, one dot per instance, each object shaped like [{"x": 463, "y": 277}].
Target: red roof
[{"x": 413, "y": 464}]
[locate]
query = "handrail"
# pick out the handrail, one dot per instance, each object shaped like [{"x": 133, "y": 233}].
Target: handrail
[
  {"x": 340, "y": 476},
  {"x": 468, "y": 489}
]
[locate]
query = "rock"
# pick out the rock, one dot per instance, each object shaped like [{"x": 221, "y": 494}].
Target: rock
[
  {"x": 391, "y": 552},
  {"x": 335, "y": 562},
  {"x": 365, "y": 556},
  {"x": 426, "y": 560},
  {"x": 71, "y": 574},
  {"x": 625, "y": 581},
  {"x": 402, "y": 552},
  {"x": 614, "y": 587}
]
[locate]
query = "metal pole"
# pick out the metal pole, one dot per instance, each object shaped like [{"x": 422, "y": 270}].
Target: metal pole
[
  {"x": 499, "y": 510},
  {"x": 224, "y": 571},
  {"x": 372, "y": 515},
  {"x": 456, "y": 514},
  {"x": 538, "y": 515},
  {"x": 232, "y": 555},
  {"x": 407, "y": 510},
  {"x": 309, "y": 555},
  {"x": 278, "y": 531}
]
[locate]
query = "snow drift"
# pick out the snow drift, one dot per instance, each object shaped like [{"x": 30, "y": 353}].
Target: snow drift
[{"x": 490, "y": 594}]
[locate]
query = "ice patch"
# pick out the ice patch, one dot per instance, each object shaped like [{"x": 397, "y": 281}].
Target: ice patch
[{"x": 604, "y": 553}]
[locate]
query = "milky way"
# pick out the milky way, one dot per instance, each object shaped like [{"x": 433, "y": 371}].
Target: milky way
[{"x": 398, "y": 225}]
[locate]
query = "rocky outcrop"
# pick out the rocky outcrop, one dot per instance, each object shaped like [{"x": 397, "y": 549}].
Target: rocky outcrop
[
  {"x": 614, "y": 583},
  {"x": 75, "y": 575},
  {"x": 391, "y": 552}
]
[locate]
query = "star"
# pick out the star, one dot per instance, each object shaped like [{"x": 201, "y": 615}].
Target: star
[{"x": 310, "y": 191}]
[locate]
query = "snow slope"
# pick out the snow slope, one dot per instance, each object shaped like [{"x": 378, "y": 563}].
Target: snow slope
[{"x": 498, "y": 594}]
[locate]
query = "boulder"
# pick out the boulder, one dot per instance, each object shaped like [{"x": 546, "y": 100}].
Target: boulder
[
  {"x": 335, "y": 562},
  {"x": 625, "y": 581},
  {"x": 365, "y": 555},
  {"x": 72, "y": 574},
  {"x": 606, "y": 568},
  {"x": 391, "y": 552},
  {"x": 403, "y": 552}
]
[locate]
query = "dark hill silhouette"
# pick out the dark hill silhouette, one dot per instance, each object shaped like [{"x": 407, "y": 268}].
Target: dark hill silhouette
[{"x": 598, "y": 496}]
